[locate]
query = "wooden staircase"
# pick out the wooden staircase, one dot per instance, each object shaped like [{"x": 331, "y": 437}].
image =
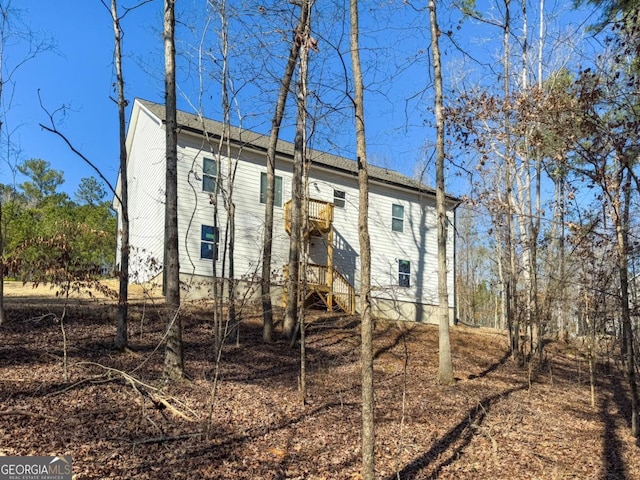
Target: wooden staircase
[{"x": 323, "y": 282}]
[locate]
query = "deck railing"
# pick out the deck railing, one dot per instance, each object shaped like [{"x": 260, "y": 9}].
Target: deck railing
[
  {"x": 320, "y": 214},
  {"x": 339, "y": 293},
  {"x": 343, "y": 293}
]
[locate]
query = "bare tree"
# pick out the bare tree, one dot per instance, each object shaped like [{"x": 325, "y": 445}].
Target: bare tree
[
  {"x": 276, "y": 121},
  {"x": 493, "y": 137},
  {"x": 306, "y": 39},
  {"x": 121, "y": 339},
  {"x": 296, "y": 247},
  {"x": 173, "y": 360},
  {"x": 445, "y": 370},
  {"x": 609, "y": 163},
  {"x": 224, "y": 145},
  {"x": 366, "y": 320},
  {"x": 600, "y": 128},
  {"x": 513, "y": 144}
]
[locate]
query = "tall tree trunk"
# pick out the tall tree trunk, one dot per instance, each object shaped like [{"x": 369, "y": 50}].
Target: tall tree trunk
[
  {"x": 293, "y": 280},
  {"x": 536, "y": 222},
  {"x": 366, "y": 320},
  {"x": 217, "y": 283},
  {"x": 121, "y": 340},
  {"x": 509, "y": 293},
  {"x": 525, "y": 212},
  {"x": 304, "y": 212},
  {"x": 231, "y": 171},
  {"x": 445, "y": 370},
  {"x": 276, "y": 121},
  {"x": 173, "y": 360},
  {"x": 297, "y": 193},
  {"x": 622, "y": 234},
  {"x": 560, "y": 255}
]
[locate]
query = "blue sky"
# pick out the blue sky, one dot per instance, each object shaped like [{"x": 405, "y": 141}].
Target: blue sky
[{"x": 79, "y": 75}]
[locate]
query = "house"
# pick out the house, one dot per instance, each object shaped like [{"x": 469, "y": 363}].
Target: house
[{"x": 401, "y": 222}]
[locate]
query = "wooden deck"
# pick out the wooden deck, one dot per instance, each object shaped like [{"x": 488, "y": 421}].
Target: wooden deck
[{"x": 320, "y": 217}]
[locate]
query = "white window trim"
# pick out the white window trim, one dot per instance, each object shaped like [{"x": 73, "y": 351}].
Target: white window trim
[
  {"x": 393, "y": 217},
  {"x": 208, "y": 175}
]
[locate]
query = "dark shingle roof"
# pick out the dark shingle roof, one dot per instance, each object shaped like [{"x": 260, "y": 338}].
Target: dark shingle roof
[{"x": 194, "y": 123}]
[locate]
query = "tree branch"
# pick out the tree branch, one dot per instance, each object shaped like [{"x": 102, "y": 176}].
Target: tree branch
[{"x": 54, "y": 129}]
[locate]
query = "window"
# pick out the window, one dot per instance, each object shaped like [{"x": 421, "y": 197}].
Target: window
[
  {"x": 277, "y": 198},
  {"x": 404, "y": 273},
  {"x": 397, "y": 218},
  {"x": 209, "y": 173},
  {"x": 339, "y": 198},
  {"x": 209, "y": 242}
]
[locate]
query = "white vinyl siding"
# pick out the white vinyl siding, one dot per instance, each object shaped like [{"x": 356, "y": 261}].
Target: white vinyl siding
[
  {"x": 417, "y": 244},
  {"x": 146, "y": 177},
  {"x": 195, "y": 210}
]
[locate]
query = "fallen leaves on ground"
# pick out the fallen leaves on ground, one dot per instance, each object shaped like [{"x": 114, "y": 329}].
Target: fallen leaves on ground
[{"x": 496, "y": 422}]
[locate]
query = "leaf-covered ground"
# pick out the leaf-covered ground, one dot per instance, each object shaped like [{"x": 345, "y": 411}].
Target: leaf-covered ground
[{"x": 113, "y": 414}]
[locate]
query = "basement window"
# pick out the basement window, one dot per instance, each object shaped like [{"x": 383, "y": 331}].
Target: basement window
[
  {"x": 404, "y": 273},
  {"x": 209, "y": 242}
]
